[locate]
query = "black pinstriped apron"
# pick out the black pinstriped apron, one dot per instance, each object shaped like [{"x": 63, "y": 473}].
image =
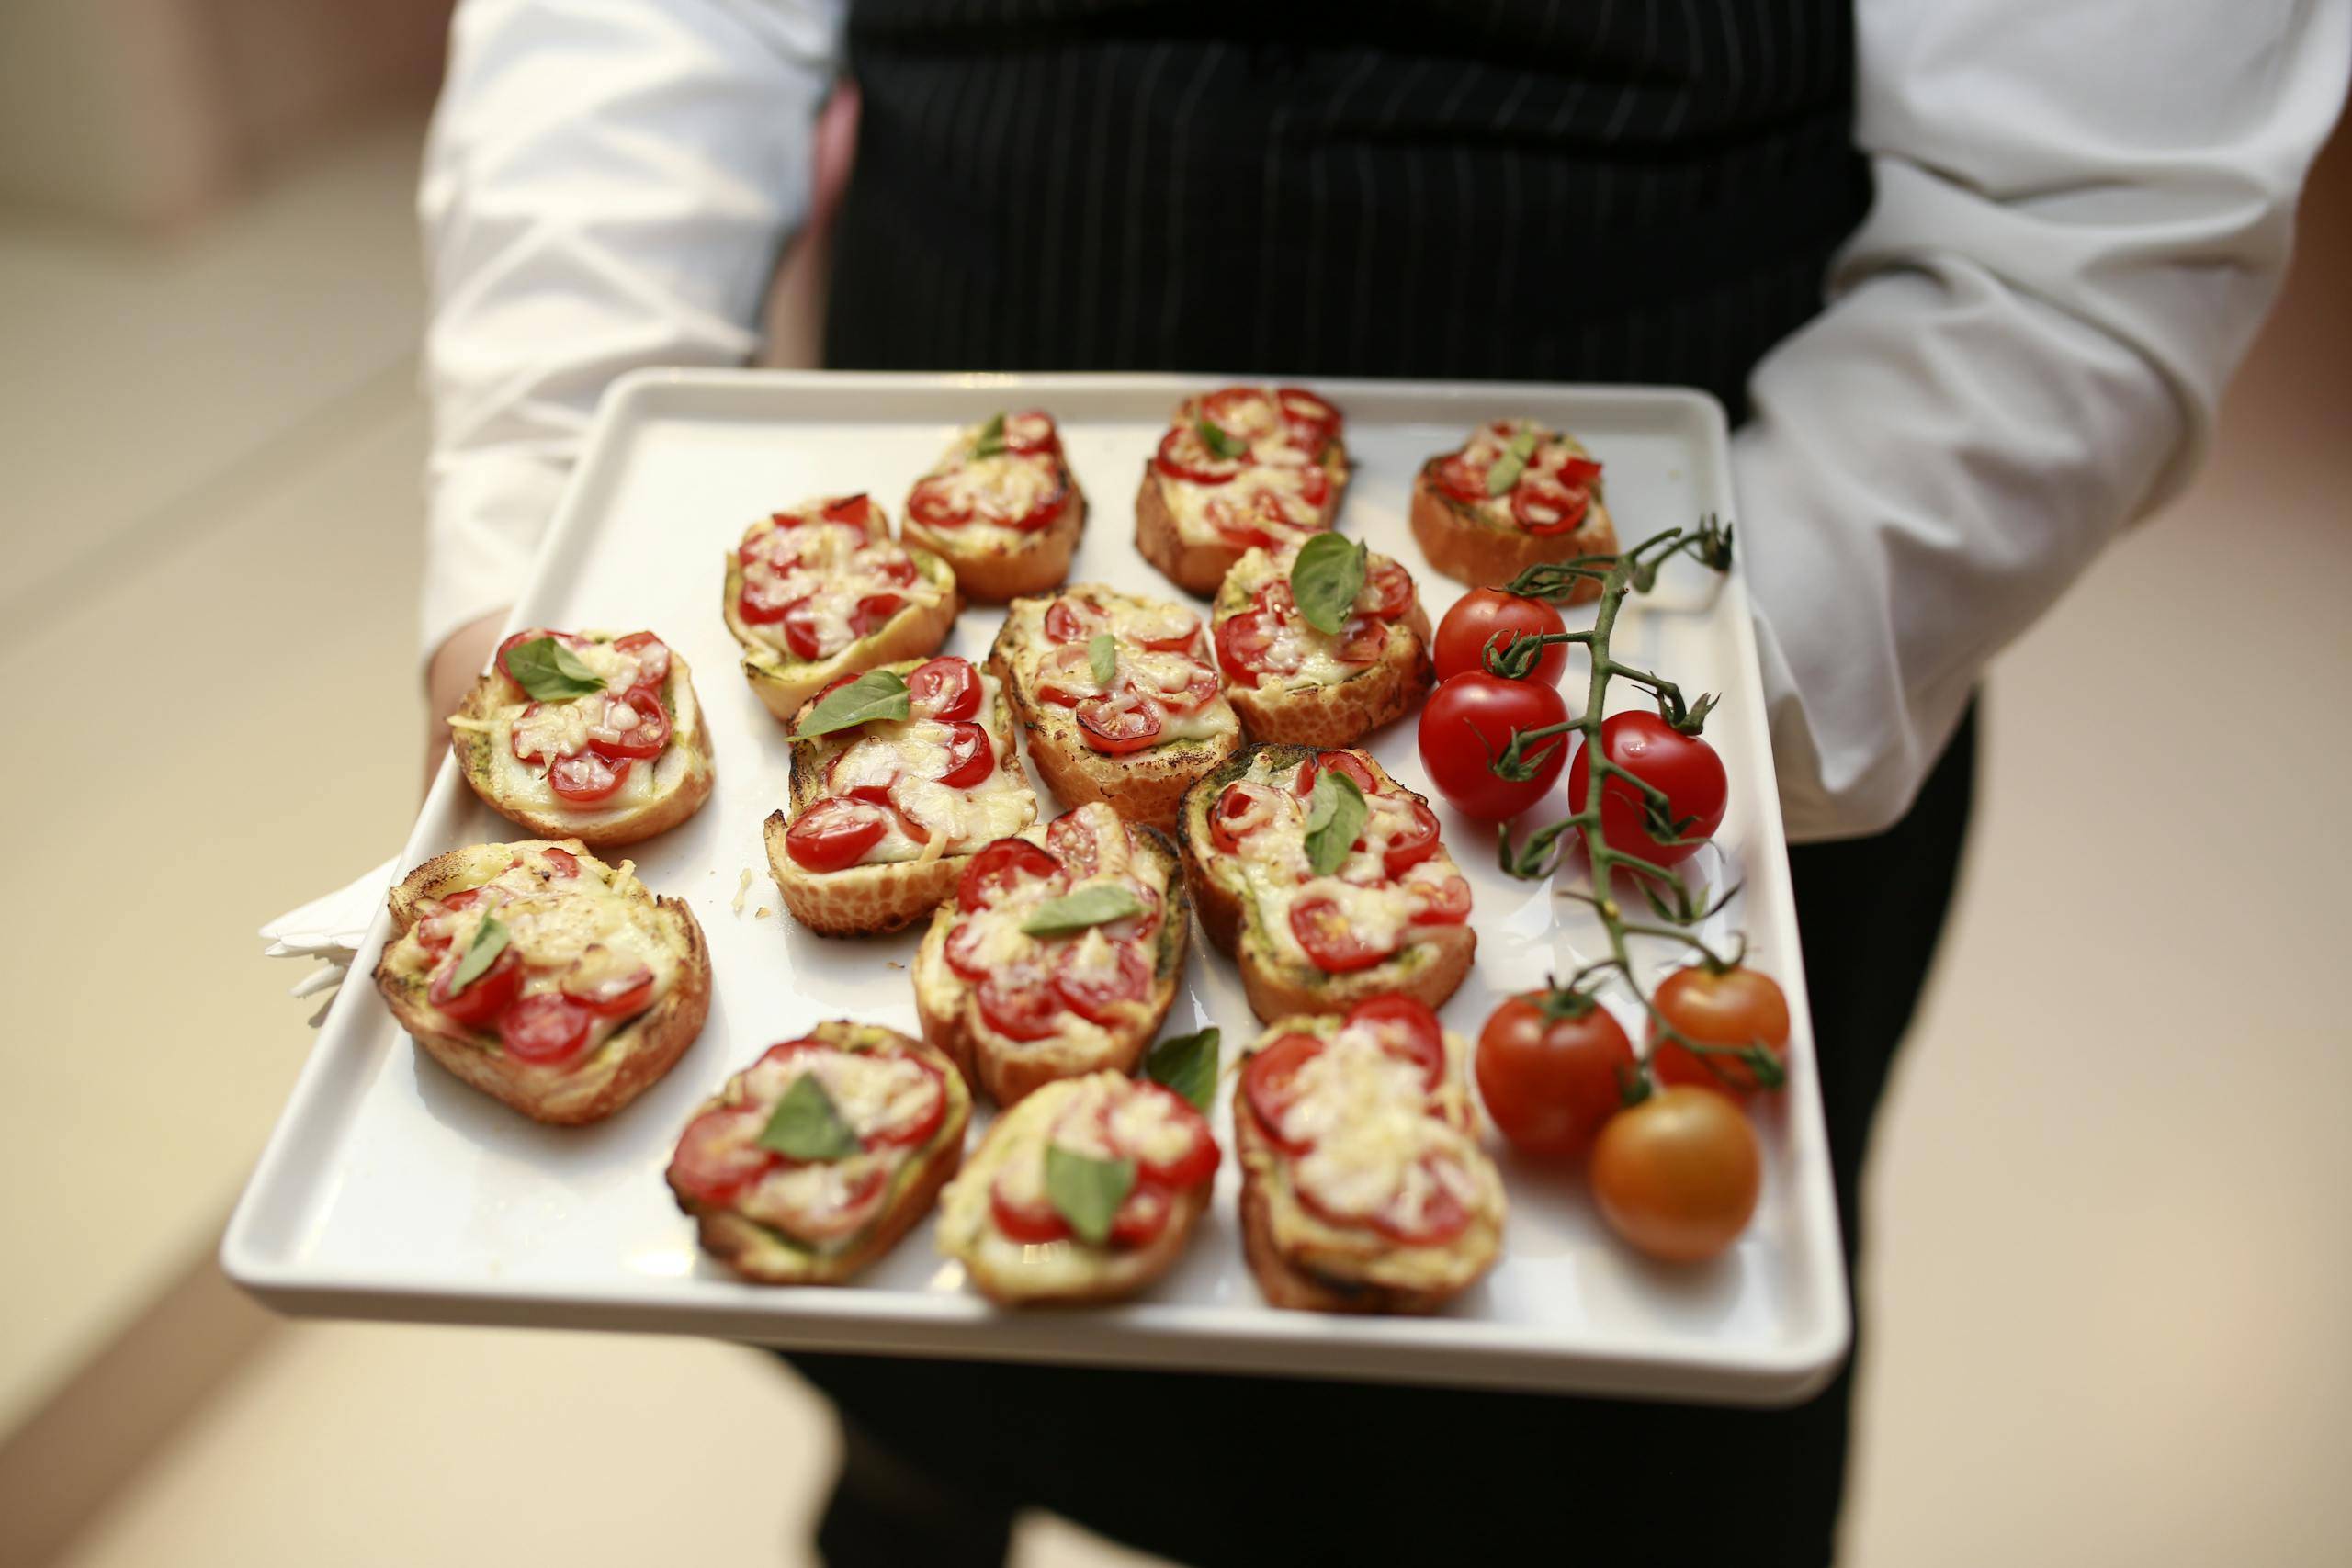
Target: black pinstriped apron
[{"x": 1526, "y": 189}]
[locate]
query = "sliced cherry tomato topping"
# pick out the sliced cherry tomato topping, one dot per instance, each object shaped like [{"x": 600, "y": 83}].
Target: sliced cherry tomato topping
[
  {"x": 1074, "y": 620},
  {"x": 971, "y": 756},
  {"x": 1555, "y": 503},
  {"x": 1361, "y": 640},
  {"x": 1032, "y": 429},
  {"x": 1240, "y": 812},
  {"x": 854, "y": 509},
  {"x": 935, "y": 503},
  {"x": 1065, "y": 676},
  {"x": 1387, "y": 591},
  {"x": 1425, "y": 1209},
  {"x": 484, "y": 997},
  {"x": 563, "y": 862},
  {"x": 606, "y": 988},
  {"x": 1347, "y": 762},
  {"x": 523, "y": 721},
  {"x": 1142, "y": 1216},
  {"x": 546, "y": 1028},
  {"x": 1314, "y": 423},
  {"x": 1412, "y": 843},
  {"x": 1463, "y": 477},
  {"x": 1247, "y": 527},
  {"x": 436, "y": 930},
  {"x": 587, "y": 778},
  {"x": 1170, "y": 631},
  {"x": 1246, "y": 647},
  {"x": 719, "y": 1155},
  {"x": 1072, "y": 838},
  {"x": 833, "y": 835},
  {"x": 653, "y": 656},
  {"x": 914, "y": 1121},
  {"x": 533, "y": 633},
  {"x": 1032, "y": 1221},
  {"x": 1118, "y": 723},
  {"x": 964, "y": 953},
  {"x": 1331, "y": 943},
  {"x": 1099, "y": 995},
  {"x": 1183, "y": 456},
  {"x": 873, "y": 612},
  {"x": 1443, "y": 903},
  {"x": 1019, "y": 1004},
  {"x": 1136, "y": 1127},
  {"x": 804, "y": 633},
  {"x": 1406, "y": 1029},
  {"x": 1000, "y": 867},
  {"x": 1269, "y": 1084},
  {"x": 946, "y": 688},
  {"x": 835, "y": 1215},
  {"x": 644, "y": 738},
  {"x": 1199, "y": 690}
]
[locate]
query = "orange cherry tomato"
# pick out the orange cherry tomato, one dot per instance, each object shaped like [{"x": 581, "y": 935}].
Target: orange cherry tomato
[{"x": 1676, "y": 1176}]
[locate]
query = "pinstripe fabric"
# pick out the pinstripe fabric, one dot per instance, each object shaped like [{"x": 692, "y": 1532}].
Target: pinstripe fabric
[{"x": 1538, "y": 190}]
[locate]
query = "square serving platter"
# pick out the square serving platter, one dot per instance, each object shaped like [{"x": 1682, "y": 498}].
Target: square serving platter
[{"x": 389, "y": 1191}]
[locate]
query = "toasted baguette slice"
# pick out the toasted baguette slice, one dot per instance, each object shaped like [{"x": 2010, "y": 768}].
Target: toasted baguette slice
[
  {"x": 784, "y": 683},
  {"x": 1172, "y": 529},
  {"x": 993, "y": 564},
  {"x": 1275, "y": 976},
  {"x": 1325, "y": 702},
  {"x": 1068, "y": 1272},
  {"x": 612, "y": 1071},
  {"x": 885, "y": 895},
  {"x": 764, "y": 1253},
  {"x": 480, "y": 737},
  {"x": 1304, "y": 1263},
  {"x": 1147, "y": 786},
  {"x": 1483, "y": 544},
  {"x": 1006, "y": 1070}
]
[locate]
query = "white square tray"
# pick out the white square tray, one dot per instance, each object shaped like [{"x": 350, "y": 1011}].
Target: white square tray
[{"x": 389, "y": 1191}]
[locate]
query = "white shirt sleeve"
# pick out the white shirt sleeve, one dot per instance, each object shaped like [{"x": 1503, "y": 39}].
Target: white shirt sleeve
[
  {"x": 606, "y": 186},
  {"x": 2083, "y": 212}
]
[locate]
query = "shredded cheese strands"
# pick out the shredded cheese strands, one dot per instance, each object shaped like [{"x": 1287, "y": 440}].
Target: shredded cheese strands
[{"x": 742, "y": 889}]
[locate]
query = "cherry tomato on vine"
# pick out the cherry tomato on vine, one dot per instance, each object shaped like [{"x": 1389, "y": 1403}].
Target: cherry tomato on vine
[
  {"x": 1676, "y": 1176},
  {"x": 1652, "y": 750},
  {"x": 1553, "y": 1071},
  {"x": 1737, "y": 1006},
  {"x": 1461, "y": 641},
  {"x": 1467, "y": 722}
]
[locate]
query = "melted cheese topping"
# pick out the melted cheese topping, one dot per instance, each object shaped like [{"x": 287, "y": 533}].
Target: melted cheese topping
[
  {"x": 1282, "y": 489},
  {"x": 906, "y": 757},
  {"x": 1142, "y": 674},
  {"x": 1489, "y": 442},
  {"x": 826, "y": 1204},
  {"x": 1298, "y": 654},
  {"x": 551, "y": 731},
  {"x": 825, "y": 568},
  {"x": 995, "y": 489}
]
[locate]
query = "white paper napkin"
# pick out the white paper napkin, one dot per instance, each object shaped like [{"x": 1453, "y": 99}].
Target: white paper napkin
[{"x": 329, "y": 927}]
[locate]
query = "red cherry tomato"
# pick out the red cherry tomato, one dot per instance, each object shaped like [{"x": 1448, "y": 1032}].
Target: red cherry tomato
[
  {"x": 1072, "y": 839},
  {"x": 563, "y": 862},
  {"x": 833, "y": 835},
  {"x": 1074, "y": 620},
  {"x": 1361, "y": 640},
  {"x": 1116, "y": 729},
  {"x": 1019, "y": 1004},
  {"x": 971, "y": 756},
  {"x": 652, "y": 656},
  {"x": 546, "y": 1028},
  {"x": 944, "y": 688},
  {"x": 1464, "y": 477},
  {"x": 1442, "y": 903},
  {"x": 1555, "y": 503},
  {"x": 1240, "y": 812},
  {"x": 610, "y": 994},
  {"x": 964, "y": 953},
  {"x": 1412, "y": 843},
  {"x": 1485, "y": 613},
  {"x": 1200, "y": 689},
  {"x": 1246, "y": 524},
  {"x": 1551, "y": 1078},
  {"x": 1102, "y": 997},
  {"x": 873, "y": 613},
  {"x": 1423, "y": 1213},
  {"x": 1032, "y": 429},
  {"x": 1406, "y": 1029},
  {"x": 854, "y": 509},
  {"x": 912, "y": 1121},
  {"x": 1246, "y": 647},
  {"x": 804, "y": 633},
  {"x": 1468, "y": 721},
  {"x": 532, "y": 634},
  {"x": 1270, "y": 1085},
  {"x": 1168, "y": 634},
  {"x": 1332, "y": 945},
  {"x": 718, "y": 1154},
  {"x": 484, "y": 997},
  {"x": 1193, "y": 1165},
  {"x": 1141, "y": 1216},
  {"x": 1684, "y": 766},
  {"x": 1387, "y": 591},
  {"x": 1031, "y": 1222},
  {"x": 1313, "y": 423},
  {"x": 1346, "y": 763},
  {"x": 1000, "y": 867},
  {"x": 1738, "y": 1007},
  {"x": 935, "y": 503},
  {"x": 587, "y": 778},
  {"x": 644, "y": 739}
]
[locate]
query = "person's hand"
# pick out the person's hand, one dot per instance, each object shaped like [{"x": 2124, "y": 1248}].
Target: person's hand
[{"x": 448, "y": 676}]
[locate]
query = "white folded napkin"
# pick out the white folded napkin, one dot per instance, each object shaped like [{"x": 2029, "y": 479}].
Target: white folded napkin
[{"x": 331, "y": 927}]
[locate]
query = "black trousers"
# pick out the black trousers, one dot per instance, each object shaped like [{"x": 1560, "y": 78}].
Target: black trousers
[{"x": 1217, "y": 1470}]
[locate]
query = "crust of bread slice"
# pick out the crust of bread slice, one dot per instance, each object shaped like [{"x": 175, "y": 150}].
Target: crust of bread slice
[
  {"x": 991, "y": 571},
  {"x": 678, "y": 797},
  {"x": 1198, "y": 566},
  {"x": 759, "y": 1254},
  {"x": 1469, "y": 548},
  {"x": 1428, "y": 970},
  {"x": 1344, "y": 712},
  {"x": 1145, "y": 788},
  {"x": 784, "y": 684},
  {"x": 1008, "y": 1071},
  {"x": 866, "y": 900},
  {"x": 630, "y": 1060}
]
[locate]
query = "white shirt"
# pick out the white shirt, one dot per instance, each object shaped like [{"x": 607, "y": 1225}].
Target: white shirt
[{"x": 2082, "y": 211}]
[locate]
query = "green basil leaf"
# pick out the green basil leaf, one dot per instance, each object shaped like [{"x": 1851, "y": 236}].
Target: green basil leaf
[
  {"x": 1513, "y": 462},
  {"x": 808, "y": 1126},
  {"x": 550, "y": 671},
  {"x": 1187, "y": 1064},
  {"x": 1326, "y": 579},
  {"x": 1219, "y": 440},
  {"x": 877, "y": 695},
  {"x": 1090, "y": 906},
  {"x": 489, "y": 941},
  {"x": 1102, "y": 657},
  {"x": 1335, "y": 815},
  {"x": 1088, "y": 1190},
  {"x": 991, "y": 437}
]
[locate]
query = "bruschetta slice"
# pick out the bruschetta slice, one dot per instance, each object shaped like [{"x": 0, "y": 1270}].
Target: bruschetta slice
[
  {"x": 1320, "y": 642},
  {"x": 1085, "y": 1191},
  {"x": 1513, "y": 494},
  {"x": 813, "y": 1161},
  {"x": 543, "y": 976},
  {"x": 822, "y": 591},
  {"x": 1059, "y": 954},
  {"x": 1117, "y": 697},
  {"x": 1326, "y": 880},
  {"x": 1241, "y": 469},
  {"x": 898, "y": 775},
  {"x": 1001, "y": 507},
  {"x": 585, "y": 735},
  {"x": 1363, "y": 1187}
]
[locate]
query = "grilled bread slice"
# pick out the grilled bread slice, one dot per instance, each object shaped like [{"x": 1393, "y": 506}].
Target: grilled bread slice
[
  {"x": 1512, "y": 495},
  {"x": 1242, "y": 466},
  {"x": 585, "y": 988},
  {"x": 1363, "y": 1189},
  {"x": 1017, "y": 1011},
  {"x": 1291, "y": 681},
  {"x": 1000, "y": 508},
  {"x": 896, "y": 767},
  {"x": 821, "y": 591},
  {"x": 1136, "y": 740},
  {"x": 790, "y": 1184},
  {"x": 1391, "y": 918},
  {"x": 585, "y": 776}
]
